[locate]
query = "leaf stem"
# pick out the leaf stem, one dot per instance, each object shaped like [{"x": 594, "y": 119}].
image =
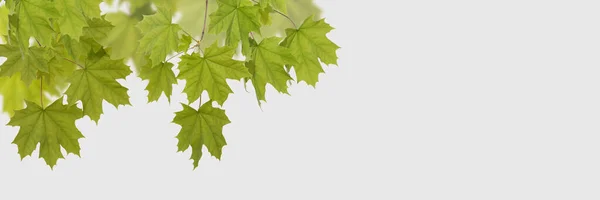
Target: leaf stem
[
  {"x": 73, "y": 62},
  {"x": 197, "y": 41},
  {"x": 205, "y": 17},
  {"x": 288, "y": 17},
  {"x": 282, "y": 14}
]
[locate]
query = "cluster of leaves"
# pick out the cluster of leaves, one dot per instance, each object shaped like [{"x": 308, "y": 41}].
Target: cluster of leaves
[{"x": 67, "y": 55}]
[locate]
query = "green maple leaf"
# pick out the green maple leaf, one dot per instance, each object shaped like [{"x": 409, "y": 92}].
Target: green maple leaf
[
  {"x": 122, "y": 39},
  {"x": 268, "y": 66},
  {"x": 72, "y": 21},
  {"x": 75, "y": 50},
  {"x": 160, "y": 79},
  {"x": 203, "y": 127},
  {"x": 33, "y": 20},
  {"x": 97, "y": 81},
  {"x": 160, "y": 36},
  {"x": 28, "y": 62},
  {"x": 237, "y": 18},
  {"x": 52, "y": 127},
  {"x": 308, "y": 44},
  {"x": 209, "y": 72},
  {"x": 97, "y": 29}
]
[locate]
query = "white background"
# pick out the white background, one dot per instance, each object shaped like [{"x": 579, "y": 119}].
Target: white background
[{"x": 432, "y": 99}]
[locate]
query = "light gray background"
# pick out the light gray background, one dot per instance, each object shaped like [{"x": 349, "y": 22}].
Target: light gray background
[{"x": 432, "y": 100}]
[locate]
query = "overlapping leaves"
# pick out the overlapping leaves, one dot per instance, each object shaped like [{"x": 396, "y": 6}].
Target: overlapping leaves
[{"x": 67, "y": 51}]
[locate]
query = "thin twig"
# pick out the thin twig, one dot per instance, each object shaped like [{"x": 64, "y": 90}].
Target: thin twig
[
  {"x": 73, "y": 62},
  {"x": 205, "y": 16}
]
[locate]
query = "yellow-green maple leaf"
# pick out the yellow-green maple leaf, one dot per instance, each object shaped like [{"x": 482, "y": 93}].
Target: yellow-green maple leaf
[
  {"x": 160, "y": 36},
  {"x": 160, "y": 80},
  {"x": 52, "y": 127},
  {"x": 98, "y": 29},
  {"x": 28, "y": 61},
  {"x": 237, "y": 18},
  {"x": 309, "y": 44},
  {"x": 72, "y": 21},
  {"x": 268, "y": 63},
  {"x": 96, "y": 82},
  {"x": 209, "y": 72},
  {"x": 34, "y": 18},
  {"x": 202, "y": 127}
]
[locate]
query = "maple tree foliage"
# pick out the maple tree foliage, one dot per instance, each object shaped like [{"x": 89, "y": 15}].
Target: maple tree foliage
[{"x": 64, "y": 58}]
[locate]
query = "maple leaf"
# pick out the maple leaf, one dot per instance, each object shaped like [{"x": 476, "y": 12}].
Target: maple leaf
[
  {"x": 202, "y": 127},
  {"x": 28, "y": 62},
  {"x": 33, "y": 18},
  {"x": 160, "y": 36},
  {"x": 72, "y": 21},
  {"x": 209, "y": 72},
  {"x": 308, "y": 44},
  {"x": 98, "y": 29},
  {"x": 268, "y": 66},
  {"x": 52, "y": 127},
  {"x": 97, "y": 81},
  {"x": 160, "y": 79},
  {"x": 237, "y": 18},
  {"x": 74, "y": 50}
]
